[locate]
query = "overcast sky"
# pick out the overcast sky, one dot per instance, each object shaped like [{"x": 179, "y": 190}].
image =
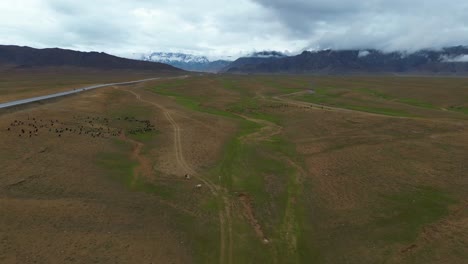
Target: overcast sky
[{"x": 232, "y": 28}]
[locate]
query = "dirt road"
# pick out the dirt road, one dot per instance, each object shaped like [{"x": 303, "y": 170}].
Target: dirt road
[
  {"x": 284, "y": 98},
  {"x": 215, "y": 190}
]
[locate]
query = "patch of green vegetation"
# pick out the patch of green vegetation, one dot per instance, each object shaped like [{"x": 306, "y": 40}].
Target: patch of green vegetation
[
  {"x": 211, "y": 204},
  {"x": 460, "y": 109},
  {"x": 322, "y": 95},
  {"x": 307, "y": 249},
  {"x": 121, "y": 168},
  {"x": 251, "y": 167},
  {"x": 168, "y": 84},
  {"x": 325, "y": 99},
  {"x": 307, "y": 252},
  {"x": 246, "y": 105},
  {"x": 284, "y": 88},
  {"x": 119, "y": 165},
  {"x": 416, "y": 102},
  {"x": 374, "y": 93},
  {"x": 243, "y": 169},
  {"x": 232, "y": 159},
  {"x": 135, "y": 110},
  {"x": 202, "y": 236},
  {"x": 329, "y": 92},
  {"x": 163, "y": 191},
  {"x": 248, "y": 247},
  {"x": 404, "y": 214},
  {"x": 408, "y": 101},
  {"x": 377, "y": 110},
  {"x": 251, "y": 107},
  {"x": 246, "y": 167},
  {"x": 123, "y": 115},
  {"x": 281, "y": 145},
  {"x": 233, "y": 85},
  {"x": 315, "y": 98},
  {"x": 191, "y": 103},
  {"x": 145, "y": 137}
]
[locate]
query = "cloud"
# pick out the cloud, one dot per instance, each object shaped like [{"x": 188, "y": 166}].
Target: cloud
[
  {"x": 461, "y": 58},
  {"x": 363, "y": 53},
  {"x": 380, "y": 24},
  {"x": 220, "y": 28}
]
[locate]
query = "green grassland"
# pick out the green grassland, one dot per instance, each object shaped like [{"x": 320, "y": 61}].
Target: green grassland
[
  {"x": 244, "y": 168},
  {"x": 272, "y": 172}
]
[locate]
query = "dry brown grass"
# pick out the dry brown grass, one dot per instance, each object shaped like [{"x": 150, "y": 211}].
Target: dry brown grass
[
  {"x": 18, "y": 84},
  {"x": 59, "y": 204},
  {"x": 328, "y": 186}
]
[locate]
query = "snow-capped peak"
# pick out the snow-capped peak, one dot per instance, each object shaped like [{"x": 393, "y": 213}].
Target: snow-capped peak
[
  {"x": 171, "y": 57},
  {"x": 187, "y": 62}
]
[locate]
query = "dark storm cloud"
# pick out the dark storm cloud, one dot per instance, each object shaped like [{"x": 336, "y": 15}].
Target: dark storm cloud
[
  {"x": 300, "y": 15},
  {"x": 391, "y": 25}
]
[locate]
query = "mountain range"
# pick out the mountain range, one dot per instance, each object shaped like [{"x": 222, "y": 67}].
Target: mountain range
[
  {"x": 26, "y": 57},
  {"x": 186, "y": 61},
  {"x": 446, "y": 61}
]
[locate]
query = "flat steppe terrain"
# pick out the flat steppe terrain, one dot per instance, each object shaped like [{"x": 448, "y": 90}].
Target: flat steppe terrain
[
  {"x": 19, "y": 83},
  {"x": 235, "y": 169}
]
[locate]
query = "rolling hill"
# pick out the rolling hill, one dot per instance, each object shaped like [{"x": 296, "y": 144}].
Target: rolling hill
[{"x": 26, "y": 57}]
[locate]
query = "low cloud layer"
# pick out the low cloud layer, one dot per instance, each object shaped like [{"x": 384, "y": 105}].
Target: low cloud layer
[
  {"x": 461, "y": 58},
  {"x": 225, "y": 28}
]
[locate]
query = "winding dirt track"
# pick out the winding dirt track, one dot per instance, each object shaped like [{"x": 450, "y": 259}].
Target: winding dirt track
[
  {"x": 144, "y": 169},
  {"x": 284, "y": 98},
  {"x": 268, "y": 130},
  {"x": 225, "y": 214}
]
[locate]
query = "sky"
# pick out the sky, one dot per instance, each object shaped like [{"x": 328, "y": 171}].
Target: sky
[{"x": 229, "y": 29}]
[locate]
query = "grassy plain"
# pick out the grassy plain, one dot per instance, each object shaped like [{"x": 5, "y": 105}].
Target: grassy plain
[
  {"x": 292, "y": 169},
  {"x": 18, "y": 84}
]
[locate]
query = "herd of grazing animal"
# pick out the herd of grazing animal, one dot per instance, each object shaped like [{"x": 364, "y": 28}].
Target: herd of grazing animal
[{"x": 96, "y": 127}]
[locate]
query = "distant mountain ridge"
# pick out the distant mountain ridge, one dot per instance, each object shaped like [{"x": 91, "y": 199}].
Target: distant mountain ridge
[
  {"x": 253, "y": 59},
  {"x": 25, "y": 57},
  {"x": 186, "y": 61},
  {"x": 446, "y": 61},
  {"x": 166, "y": 57}
]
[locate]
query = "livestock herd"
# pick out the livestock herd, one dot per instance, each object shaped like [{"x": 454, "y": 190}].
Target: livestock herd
[{"x": 96, "y": 127}]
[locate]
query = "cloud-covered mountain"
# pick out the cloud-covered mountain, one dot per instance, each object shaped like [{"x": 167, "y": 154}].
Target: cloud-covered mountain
[
  {"x": 254, "y": 59},
  {"x": 446, "y": 61},
  {"x": 186, "y": 61},
  {"x": 267, "y": 54},
  {"x": 25, "y": 57}
]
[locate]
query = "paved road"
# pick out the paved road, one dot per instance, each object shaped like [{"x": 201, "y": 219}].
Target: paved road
[{"x": 74, "y": 91}]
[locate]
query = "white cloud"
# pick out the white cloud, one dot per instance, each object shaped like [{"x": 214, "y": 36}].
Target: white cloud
[
  {"x": 363, "y": 53},
  {"x": 461, "y": 58},
  {"x": 219, "y": 28}
]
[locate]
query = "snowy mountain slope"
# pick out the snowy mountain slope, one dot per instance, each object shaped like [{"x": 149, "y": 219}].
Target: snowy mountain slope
[{"x": 186, "y": 61}]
